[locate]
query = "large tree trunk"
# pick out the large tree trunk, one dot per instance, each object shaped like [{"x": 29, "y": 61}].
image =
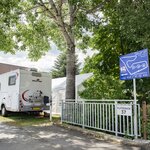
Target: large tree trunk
[{"x": 70, "y": 71}]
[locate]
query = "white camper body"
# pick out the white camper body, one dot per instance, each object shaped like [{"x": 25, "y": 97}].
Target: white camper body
[{"x": 24, "y": 91}]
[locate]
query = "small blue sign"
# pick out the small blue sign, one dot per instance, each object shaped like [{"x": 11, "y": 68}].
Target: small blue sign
[{"x": 134, "y": 65}]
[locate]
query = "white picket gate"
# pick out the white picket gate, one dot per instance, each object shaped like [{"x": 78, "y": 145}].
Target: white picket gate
[{"x": 115, "y": 116}]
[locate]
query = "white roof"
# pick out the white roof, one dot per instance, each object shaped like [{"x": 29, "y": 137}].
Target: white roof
[{"x": 60, "y": 83}]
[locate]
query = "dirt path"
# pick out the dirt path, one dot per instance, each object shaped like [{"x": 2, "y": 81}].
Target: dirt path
[{"x": 51, "y": 138}]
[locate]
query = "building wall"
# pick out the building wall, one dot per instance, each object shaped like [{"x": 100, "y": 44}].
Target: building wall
[{"x": 8, "y": 67}]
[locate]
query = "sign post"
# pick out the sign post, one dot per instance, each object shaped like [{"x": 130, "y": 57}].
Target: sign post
[
  {"x": 132, "y": 66},
  {"x": 135, "y": 109}
]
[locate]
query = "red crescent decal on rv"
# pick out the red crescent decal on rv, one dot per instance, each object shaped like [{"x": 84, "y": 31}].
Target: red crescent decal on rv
[{"x": 23, "y": 97}]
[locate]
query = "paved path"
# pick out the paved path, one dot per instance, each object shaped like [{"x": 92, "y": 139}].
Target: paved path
[{"x": 51, "y": 138}]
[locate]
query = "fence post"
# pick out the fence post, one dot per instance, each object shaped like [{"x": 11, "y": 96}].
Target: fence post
[
  {"x": 144, "y": 120},
  {"x": 116, "y": 119},
  {"x": 50, "y": 112},
  {"x": 83, "y": 113},
  {"x": 61, "y": 111}
]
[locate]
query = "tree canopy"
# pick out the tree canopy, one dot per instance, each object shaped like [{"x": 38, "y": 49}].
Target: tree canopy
[
  {"x": 123, "y": 28},
  {"x": 117, "y": 27},
  {"x": 31, "y": 25}
]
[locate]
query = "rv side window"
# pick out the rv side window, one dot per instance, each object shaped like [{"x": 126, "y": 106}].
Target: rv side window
[
  {"x": 12, "y": 80},
  {"x": 0, "y": 86}
]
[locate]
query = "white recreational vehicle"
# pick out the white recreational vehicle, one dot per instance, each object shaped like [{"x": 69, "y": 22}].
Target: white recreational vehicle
[{"x": 24, "y": 91}]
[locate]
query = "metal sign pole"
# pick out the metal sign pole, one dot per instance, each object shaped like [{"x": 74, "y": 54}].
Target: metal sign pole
[{"x": 135, "y": 109}]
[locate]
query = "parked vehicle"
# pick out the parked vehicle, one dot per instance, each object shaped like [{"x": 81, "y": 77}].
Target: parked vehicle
[{"x": 24, "y": 91}]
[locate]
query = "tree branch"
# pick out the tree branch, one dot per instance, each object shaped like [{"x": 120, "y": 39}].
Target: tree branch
[
  {"x": 59, "y": 20},
  {"x": 60, "y": 7},
  {"x": 51, "y": 2},
  {"x": 99, "y": 6},
  {"x": 46, "y": 8},
  {"x": 32, "y": 8},
  {"x": 71, "y": 14},
  {"x": 75, "y": 10},
  {"x": 40, "y": 12}
]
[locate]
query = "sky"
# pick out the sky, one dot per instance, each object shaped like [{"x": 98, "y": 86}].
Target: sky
[{"x": 44, "y": 64}]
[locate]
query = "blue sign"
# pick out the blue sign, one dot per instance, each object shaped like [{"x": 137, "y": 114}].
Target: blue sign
[{"x": 134, "y": 65}]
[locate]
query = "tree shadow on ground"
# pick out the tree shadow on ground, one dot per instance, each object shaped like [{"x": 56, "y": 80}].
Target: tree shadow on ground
[{"x": 52, "y": 138}]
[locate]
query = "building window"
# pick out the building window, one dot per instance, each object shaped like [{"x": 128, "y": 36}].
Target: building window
[{"x": 12, "y": 80}]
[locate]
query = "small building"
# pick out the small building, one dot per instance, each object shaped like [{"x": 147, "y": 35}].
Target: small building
[
  {"x": 8, "y": 67},
  {"x": 59, "y": 89}
]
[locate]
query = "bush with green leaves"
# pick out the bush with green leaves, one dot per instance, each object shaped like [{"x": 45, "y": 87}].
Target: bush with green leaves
[{"x": 103, "y": 87}]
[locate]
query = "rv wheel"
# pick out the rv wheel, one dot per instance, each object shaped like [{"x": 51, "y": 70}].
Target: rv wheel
[{"x": 4, "y": 111}]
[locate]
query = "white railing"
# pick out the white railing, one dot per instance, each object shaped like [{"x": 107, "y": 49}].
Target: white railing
[{"x": 101, "y": 115}]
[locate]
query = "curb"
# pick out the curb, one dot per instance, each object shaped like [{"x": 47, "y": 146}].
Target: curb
[{"x": 144, "y": 144}]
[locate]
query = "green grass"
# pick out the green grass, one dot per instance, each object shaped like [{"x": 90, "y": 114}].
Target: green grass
[
  {"x": 56, "y": 119},
  {"x": 25, "y": 120}
]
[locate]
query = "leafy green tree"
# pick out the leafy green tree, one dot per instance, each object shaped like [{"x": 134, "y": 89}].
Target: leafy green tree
[
  {"x": 31, "y": 25},
  {"x": 103, "y": 87},
  {"x": 123, "y": 28},
  {"x": 118, "y": 32},
  {"x": 7, "y": 43},
  {"x": 134, "y": 19},
  {"x": 59, "y": 69}
]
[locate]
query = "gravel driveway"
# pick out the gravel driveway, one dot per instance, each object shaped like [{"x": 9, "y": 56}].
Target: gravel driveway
[{"x": 51, "y": 138}]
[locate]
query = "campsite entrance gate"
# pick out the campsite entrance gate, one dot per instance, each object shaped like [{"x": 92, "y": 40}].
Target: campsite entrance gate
[{"x": 114, "y": 116}]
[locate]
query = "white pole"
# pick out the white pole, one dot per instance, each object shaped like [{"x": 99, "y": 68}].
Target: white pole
[
  {"x": 50, "y": 108},
  {"x": 135, "y": 109},
  {"x": 116, "y": 119},
  {"x": 76, "y": 93},
  {"x": 50, "y": 111},
  {"x": 83, "y": 107}
]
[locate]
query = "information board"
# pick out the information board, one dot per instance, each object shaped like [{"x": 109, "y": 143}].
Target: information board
[
  {"x": 134, "y": 65},
  {"x": 124, "y": 109}
]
